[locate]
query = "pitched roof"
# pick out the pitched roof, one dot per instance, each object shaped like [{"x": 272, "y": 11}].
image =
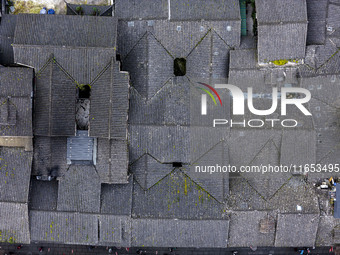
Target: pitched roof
[
  {"x": 115, "y": 230},
  {"x": 14, "y": 223},
  {"x": 112, "y": 160},
  {"x": 276, "y": 11},
  {"x": 54, "y": 109},
  {"x": 296, "y": 230},
  {"x": 116, "y": 198},
  {"x": 43, "y": 195},
  {"x": 247, "y": 224},
  {"x": 15, "y": 101},
  {"x": 141, "y": 9},
  {"x": 109, "y": 104},
  {"x": 7, "y": 27},
  {"x": 317, "y": 13},
  {"x": 175, "y": 196},
  {"x": 282, "y": 29},
  {"x": 49, "y": 30},
  {"x": 15, "y": 166},
  {"x": 46, "y": 161},
  {"x": 63, "y": 227},
  {"x": 83, "y": 50},
  {"x": 79, "y": 190},
  {"x": 180, "y": 233},
  {"x": 204, "y": 9},
  {"x": 286, "y": 41}
]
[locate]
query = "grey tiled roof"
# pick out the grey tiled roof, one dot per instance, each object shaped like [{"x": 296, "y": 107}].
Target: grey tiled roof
[
  {"x": 15, "y": 95},
  {"x": 282, "y": 29},
  {"x": 296, "y": 230},
  {"x": 14, "y": 223},
  {"x": 282, "y": 41},
  {"x": 243, "y": 59},
  {"x": 115, "y": 230},
  {"x": 109, "y": 104},
  {"x": 79, "y": 190},
  {"x": 204, "y": 9},
  {"x": 112, "y": 160},
  {"x": 54, "y": 108},
  {"x": 317, "y": 13},
  {"x": 276, "y": 11},
  {"x": 180, "y": 233},
  {"x": 45, "y": 161},
  {"x": 116, "y": 198},
  {"x": 141, "y": 9},
  {"x": 148, "y": 171},
  {"x": 7, "y": 27},
  {"x": 175, "y": 196},
  {"x": 63, "y": 227},
  {"x": 48, "y": 30},
  {"x": 15, "y": 171},
  {"x": 247, "y": 224},
  {"x": 88, "y": 42},
  {"x": 43, "y": 195}
]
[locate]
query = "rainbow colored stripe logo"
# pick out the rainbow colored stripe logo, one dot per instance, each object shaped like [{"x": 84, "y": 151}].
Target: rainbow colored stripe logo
[{"x": 209, "y": 93}]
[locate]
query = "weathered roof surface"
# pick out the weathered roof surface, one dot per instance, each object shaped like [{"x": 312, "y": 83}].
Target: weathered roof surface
[
  {"x": 148, "y": 171},
  {"x": 54, "y": 108},
  {"x": 317, "y": 13},
  {"x": 175, "y": 196},
  {"x": 45, "y": 161},
  {"x": 243, "y": 59},
  {"x": 166, "y": 144},
  {"x": 298, "y": 147},
  {"x": 112, "y": 160},
  {"x": 15, "y": 101},
  {"x": 178, "y": 39},
  {"x": 141, "y": 9},
  {"x": 43, "y": 195},
  {"x": 281, "y": 41},
  {"x": 109, "y": 104},
  {"x": 79, "y": 190},
  {"x": 104, "y": 10},
  {"x": 115, "y": 230},
  {"x": 116, "y": 198},
  {"x": 15, "y": 171},
  {"x": 48, "y": 30},
  {"x": 244, "y": 229},
  {"x": 282, "y": 29},
  {"x": 83, "y": 50},
  {"x": 14, "y": 223},
  {"x": 204, "y": 9},
  {"x": 296, "y": 230},
  {"x": 333, "y": 17},
  {"x": 7, "y": 28},
  {"x": 324, "y": 107},
  {"x": 276, "y": 11},
  {"x": 180, "y": 233},
  {"x": 63, "y": 227}
]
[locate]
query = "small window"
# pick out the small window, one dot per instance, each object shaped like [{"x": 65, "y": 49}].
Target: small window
[{"x": 180, "y": 66}]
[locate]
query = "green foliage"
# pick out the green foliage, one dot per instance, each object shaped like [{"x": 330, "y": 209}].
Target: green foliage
[
  {"x": 79, "y": 10},
  {"x": 280, "y": 62},
  {"x": 95, "y": 11},
  {"x": 27, "y": 7}
]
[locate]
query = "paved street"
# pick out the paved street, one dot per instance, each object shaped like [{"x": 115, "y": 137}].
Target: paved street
[{"x": 73, "y": 249}]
